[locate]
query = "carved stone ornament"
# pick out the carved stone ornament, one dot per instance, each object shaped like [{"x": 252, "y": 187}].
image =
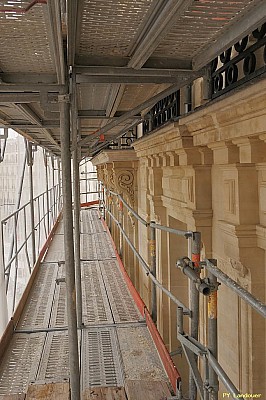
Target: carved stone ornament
[
  {"x": 239, "y": 267},
  {"x": 125, "y": 181},
  {"x": 235, "y": 269},
  {"x": 109, "y": 178}
]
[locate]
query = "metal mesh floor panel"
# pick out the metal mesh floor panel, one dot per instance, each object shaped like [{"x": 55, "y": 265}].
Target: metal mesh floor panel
[
  {"x": 59, "y": 307},
  {"x": 37, "y": 310},
  {"x": 96, "y": 247},
  {"x": 140, "y": 357},
  {"x": 101, "y": 359},
  {"x": 86, "y": 223},
  {"x": 54, "y": 362},
  {"x": 88, "y": 247},
  {"x": 200, "y": 24},
  {"x": 122, "y": 304},
  {"x": 96, "y": 307},
  {"x": 96, "y": 221},
  {"x": 104, "y": 247},
  {"x": 20, "y": 363},
  {"x": 56, "y": 250},
  {"x": 90, "y": 222},
  {"x": 110, "y": 27},
  {"x": 24, "y": 39}
]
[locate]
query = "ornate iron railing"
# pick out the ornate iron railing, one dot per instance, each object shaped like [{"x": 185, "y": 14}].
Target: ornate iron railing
[
  {"x": 240, "y": 63},
  {"x": 165, "y": 110},
  {"x": 125, "y": 141}
]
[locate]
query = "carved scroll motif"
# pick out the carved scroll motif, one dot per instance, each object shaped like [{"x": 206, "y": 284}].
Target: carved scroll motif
[{"x": 125, "y": 180}]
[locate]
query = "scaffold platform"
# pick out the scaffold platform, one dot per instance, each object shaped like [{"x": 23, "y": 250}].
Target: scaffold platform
[{"x": 117, "y": 346}]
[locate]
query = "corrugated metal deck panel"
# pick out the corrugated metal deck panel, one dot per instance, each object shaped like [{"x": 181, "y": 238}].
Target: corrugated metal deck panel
[
  {"x": 96, "y": 308},
  {"x": 200, "y": 24},
  {"x": 36, "y": 313},
  {"x": 56, "y": 249},
  {"x": 59, "y": 307},
  {"x": 96, "y": 247},
  {"x": 93, "y": 97},
  {"x": 109, "y": 354},
  {"x": 90, "y": 222},
  {"x": 54, "y": 362},
  {"x": 101, "y": 358},
  {"x": 121, "y": 301},
  {"x": 21, "y": 362},
  {"x": 24, "y": 40},
  {"x": 137, "y": 94},
  {"x": 110, "y": 27},
  {"x": 88, "y": 247}
]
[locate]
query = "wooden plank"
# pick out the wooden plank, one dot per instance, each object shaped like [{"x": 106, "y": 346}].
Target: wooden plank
[
  {"x": 169, "y": 366},
  {"x": 104, "y": 393},
  {"x": 49, "y": 391},
  {"x": 148, "y": 390},
  {"x": 12, "y": 396}
]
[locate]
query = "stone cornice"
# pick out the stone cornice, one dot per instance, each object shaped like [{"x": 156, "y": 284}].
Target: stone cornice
[
  {"x": 109, "y": 156},
  {"x": 149, "y": 144}
]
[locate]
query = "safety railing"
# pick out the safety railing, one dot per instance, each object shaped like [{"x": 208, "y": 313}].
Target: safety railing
[
  {"x": 23, "y": 234},
  {"x": 204, "y": 380},
  {"x": 89, "y": 184}
]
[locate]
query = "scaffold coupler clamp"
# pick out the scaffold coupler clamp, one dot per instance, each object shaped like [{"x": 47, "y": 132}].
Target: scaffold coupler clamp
[
  {"x": 188, "y": 269},
  {"x": 184, "y": 262}
]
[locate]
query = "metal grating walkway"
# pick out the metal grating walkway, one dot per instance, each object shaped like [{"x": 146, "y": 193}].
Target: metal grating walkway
[{"x": 115, "y": 344}]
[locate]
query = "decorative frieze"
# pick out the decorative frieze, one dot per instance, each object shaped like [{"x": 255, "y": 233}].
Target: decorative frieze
[{"x": 118, "y": 171}]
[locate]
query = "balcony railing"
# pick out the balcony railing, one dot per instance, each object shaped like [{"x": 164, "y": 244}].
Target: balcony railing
[
  {"x": 165, "y": 110},
  {"x": 239, "y": 63}
]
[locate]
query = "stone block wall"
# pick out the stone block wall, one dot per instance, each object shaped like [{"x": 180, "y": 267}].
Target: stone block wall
[{"x": 207, "y": 172}]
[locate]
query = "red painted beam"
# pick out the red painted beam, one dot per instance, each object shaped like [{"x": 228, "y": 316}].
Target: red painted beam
[{"x": 89, "y": 203}]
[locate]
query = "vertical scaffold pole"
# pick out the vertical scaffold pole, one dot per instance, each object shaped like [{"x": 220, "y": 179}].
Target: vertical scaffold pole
[
  {"x": 212, "y": 334},
  {"x": 69, "y": 246},
  {"x": 76, "y": 189},
  {"x": 59, "y": 182},
  {"x": 109, "y": 206},
  {"x": 180, "y": 329},
  {"x": 77, "y": 234},
  {"x": 99, "y": 190},
  {"x": 17, "y": 205},
  {"x": 153, "y": 272},
  {"x": 3, "y": 297},
  {"x": 53, "y": 180},
  {"x": 103, "y": 202},
  {"x": 194, "y": 305},
  {"x": 30, "y": 164},
  {"x": 47, "y": 190}
]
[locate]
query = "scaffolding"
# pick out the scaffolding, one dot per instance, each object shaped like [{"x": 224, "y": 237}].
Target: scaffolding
[{"x": 204, "y": 381}]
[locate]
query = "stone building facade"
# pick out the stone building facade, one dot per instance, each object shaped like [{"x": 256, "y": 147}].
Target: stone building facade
[{"x": 205, "y": 172}]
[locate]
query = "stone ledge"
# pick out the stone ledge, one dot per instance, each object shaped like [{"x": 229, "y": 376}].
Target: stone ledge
[{"x": 109, "y": 156}]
